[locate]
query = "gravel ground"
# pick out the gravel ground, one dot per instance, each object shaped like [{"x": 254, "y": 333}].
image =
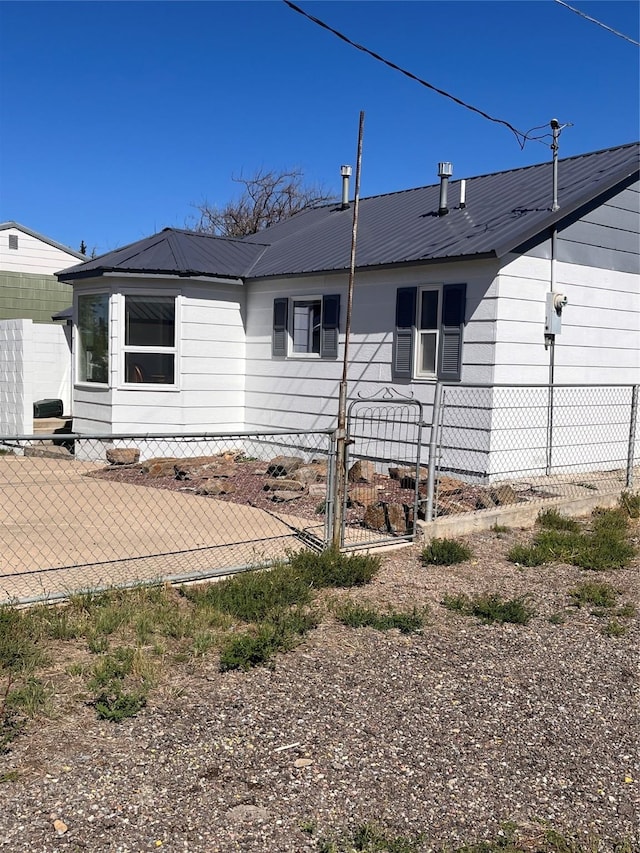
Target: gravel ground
[{"x": 449, "y": 732}]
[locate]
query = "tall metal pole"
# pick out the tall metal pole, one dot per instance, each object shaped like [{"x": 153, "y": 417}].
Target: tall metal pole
[{"x": 341, "y": 433}]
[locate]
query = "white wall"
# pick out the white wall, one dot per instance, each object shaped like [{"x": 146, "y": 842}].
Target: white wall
[
  {"x": 600, "y": 337},
  {"x": 210, "y": 364},
  {"x": 35, "y": 364},
  {"x": 32, "y": 255},
  {"x": 304, "y": 391}
]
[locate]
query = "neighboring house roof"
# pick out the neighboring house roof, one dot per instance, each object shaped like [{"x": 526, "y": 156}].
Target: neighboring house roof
[
  {"x": 6, "y": 225},
  {"x": 503, "y": 211}
]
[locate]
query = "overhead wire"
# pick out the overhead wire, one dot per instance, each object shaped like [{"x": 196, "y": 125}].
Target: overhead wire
[
  {"x": 522, "y": 138},
  {"x": 599, "y": 23}
]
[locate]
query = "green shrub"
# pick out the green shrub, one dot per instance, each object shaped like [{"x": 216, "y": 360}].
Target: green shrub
[
  {"x": 493, "y": 608},
  {"x": 596, "y": 594},
  {"x": 553, "y": 520},
  {"x": 606, "y": 551},
  {"x": 445, "y": 552},
  {"x": 630, "y": 503},
  {"x": 613, "y": 628},
  {"x": 527, "y": 555},
  {"x": 281, "y": 632},
  {"x": 332, "y": 568},
  {"x": 117, "y": 704},
  {"x": 357, "y": 616},
  {"x": 459, "y": 603}
]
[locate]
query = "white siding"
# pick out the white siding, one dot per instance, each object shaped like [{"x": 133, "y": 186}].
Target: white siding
[
  {"x": 303, "y": 392},
  {"x": 210, "y": 365},
  {"x": 32, "y": 255},
  {"x": 600, "y": 337}
]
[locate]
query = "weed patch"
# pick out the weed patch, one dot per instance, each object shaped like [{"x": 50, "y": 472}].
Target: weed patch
[
  {"x": 551, "y": 519},
  {"x": 281, "y": 632},
  {"x": 594, "y": 593},
  {"x": 357, "y": 616},
  {"x": 445, "y": 552},
  {"x": 491, "y": 607}
]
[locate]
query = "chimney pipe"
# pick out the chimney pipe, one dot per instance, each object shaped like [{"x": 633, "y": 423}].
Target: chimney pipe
[
  {"x": 445, "y": 170},
  {"x": 463, "y": 194},
  {"x": 345, "y": 171}
]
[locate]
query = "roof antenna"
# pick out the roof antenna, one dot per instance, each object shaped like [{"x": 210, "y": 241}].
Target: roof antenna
[
  {"x": 345, "y": 171},
  {"x": 445, "y": 170},
  {"x": 555, "y": 128}
]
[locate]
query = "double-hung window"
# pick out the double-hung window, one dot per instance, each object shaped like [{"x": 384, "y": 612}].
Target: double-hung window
[
  {"x": 150, "y": 339},
  {"x": 429, "y": 331},
  {"x": 92, "y": 338},
  {"x": 306, "y": 326}
]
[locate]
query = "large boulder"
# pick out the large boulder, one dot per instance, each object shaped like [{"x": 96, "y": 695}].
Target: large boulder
[
  {"x": 362, "y": 471},
  {"x": 278, "y": 484},
  {"x": 313, "y": 473},
  {"x": 283, "y": 466},
  {"x": 123, "y": 455}
]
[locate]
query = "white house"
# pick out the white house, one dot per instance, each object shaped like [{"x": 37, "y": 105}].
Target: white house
[{"x": 184, "y": 331}]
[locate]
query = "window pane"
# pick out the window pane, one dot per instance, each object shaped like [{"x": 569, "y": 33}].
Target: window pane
[
  {"x": 152, "y": 367},
  {"x": 93, "y": 339},
  {"x": 428, "y": 352},
  {"x": 429, "y": 309},
  {"x": 149, "y": 321},
  {"x": 306, "y": 326}
]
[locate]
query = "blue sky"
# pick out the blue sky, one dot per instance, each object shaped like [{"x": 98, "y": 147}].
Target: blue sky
[{"x": 118, "y": 117}]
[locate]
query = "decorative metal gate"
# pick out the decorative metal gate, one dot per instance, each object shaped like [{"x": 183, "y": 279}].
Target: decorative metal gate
[{"x": 384, "y": 435}]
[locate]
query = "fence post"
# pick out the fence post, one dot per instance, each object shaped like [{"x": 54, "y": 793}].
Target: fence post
[
  {"x": 433, "y": 442},
  {"x": 632, "y": 435},
  {"x": 331, "y": 490}
]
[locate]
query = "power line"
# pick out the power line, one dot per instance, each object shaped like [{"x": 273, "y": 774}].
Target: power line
[
  {"x": 521, "y": 137},
  {"x": 599, "y": 23}
]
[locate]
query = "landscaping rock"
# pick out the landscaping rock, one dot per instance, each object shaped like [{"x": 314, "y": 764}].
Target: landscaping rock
[
  {"x": 450, "y": 486},
  {"x": 407, "y": 476},
  {"x": 396, "y": 518},
  {"x": 278, "y": 484},
  {"x": 282, "y": 466},
  {"x": 504, "y": 495},
  {"x": 375, "y": 518},
  {"x": 123, "y": 455},
  {"x": 363, "y": 495},
  {"x": 217, "y": 487},
  {"x": 160, "y": 467},
  {"x": 317, "y": 490},
  {"x": 204, "y": 466},
  {"x": 362, "y": 471},
  {"x": 311, "y": 473},
  {"x": 285, "y": 497},
  {"x": 485, "y": 501}
]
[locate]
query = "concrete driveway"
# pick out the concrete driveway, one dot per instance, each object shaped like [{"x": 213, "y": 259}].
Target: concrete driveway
[{"x": 61, "y": 531}]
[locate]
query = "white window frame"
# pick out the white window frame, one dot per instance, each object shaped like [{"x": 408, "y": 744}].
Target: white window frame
[
  {"x": 418, "y": 373},
  {"x": 125, "y": 349},
  {"x": 88, "y": 383},
  {"x": 291, "y": 352}
]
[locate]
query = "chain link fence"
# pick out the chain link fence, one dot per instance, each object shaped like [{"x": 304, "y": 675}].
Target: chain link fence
[
  {"x": 82, "y": 512},
  {"x": 504, "y": 445}
]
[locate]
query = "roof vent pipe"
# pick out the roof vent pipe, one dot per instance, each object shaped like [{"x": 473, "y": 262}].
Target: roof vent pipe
[
  {"x": 445, "y": 170},
  {"x": 463, "y": 194},
  {"x": 345, "y": 171}
]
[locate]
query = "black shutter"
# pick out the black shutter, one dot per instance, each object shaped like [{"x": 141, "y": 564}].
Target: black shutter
[
  {"x": 279, "y": 338},
  {"x": 454, "y": 298},
  {"x": 404, "y": 332},
  {"x": 330, "y": 326}
]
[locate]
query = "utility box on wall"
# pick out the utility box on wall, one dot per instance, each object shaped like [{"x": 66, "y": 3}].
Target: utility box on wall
[{"x": 553, "y": 314}]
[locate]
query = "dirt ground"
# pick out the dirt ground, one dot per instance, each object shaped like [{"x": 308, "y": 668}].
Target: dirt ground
[{"x": 449, "y": 732}]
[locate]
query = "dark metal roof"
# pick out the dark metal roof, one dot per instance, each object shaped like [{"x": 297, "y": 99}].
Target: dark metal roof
[
  {"x": 503, "y": 210},
  {"x": 173, "y": 252}
]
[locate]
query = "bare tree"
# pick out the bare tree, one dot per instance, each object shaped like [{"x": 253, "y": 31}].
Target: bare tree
[{"x": 267, "y": 197}]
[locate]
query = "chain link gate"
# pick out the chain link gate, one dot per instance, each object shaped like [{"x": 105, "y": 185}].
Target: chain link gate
[{"x": 383, "y": 470}]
